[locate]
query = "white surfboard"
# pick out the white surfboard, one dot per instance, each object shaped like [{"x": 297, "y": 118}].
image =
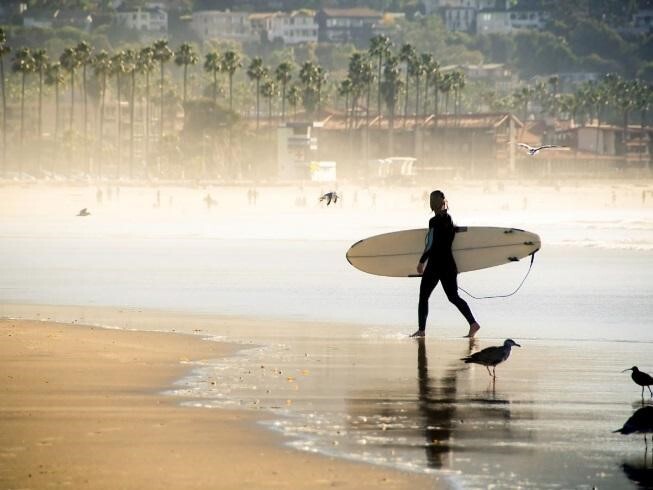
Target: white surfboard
[{"x": 474, "y": 247}]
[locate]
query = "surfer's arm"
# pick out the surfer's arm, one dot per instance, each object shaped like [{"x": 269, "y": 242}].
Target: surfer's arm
[{"x": 427, "y": 247}]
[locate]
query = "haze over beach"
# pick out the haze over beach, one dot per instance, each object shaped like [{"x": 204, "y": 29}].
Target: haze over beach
[{"x": 187, "y": 195}]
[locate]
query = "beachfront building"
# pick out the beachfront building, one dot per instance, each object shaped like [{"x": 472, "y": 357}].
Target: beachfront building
[
  {"x": 343, "y": 25},
  {"x": 217, "y": 24},
  {"x": 151, "y": 18},
  {"x": 296, "y": 27},
  {"x": 491, "y": 21}
]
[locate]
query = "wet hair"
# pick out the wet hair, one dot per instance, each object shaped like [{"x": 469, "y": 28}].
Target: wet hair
[{"x": 440, "y": 194}]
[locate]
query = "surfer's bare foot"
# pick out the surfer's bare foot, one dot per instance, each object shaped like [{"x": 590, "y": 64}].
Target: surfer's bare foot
[
  {"x": 473, "y": 328},
  {"x": 418, "y": 334}
]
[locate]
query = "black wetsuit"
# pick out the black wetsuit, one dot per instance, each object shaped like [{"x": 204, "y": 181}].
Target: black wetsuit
[{"x": 441, "y": 266}]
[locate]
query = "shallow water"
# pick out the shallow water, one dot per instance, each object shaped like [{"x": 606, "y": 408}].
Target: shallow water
[{"x": 347, "y": 381}]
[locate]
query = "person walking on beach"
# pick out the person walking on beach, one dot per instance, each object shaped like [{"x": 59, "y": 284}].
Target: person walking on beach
[{"x": 440, "y": 266}]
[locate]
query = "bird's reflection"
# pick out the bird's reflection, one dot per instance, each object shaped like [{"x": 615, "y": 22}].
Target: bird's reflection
[{"x": 640, "y": 474}]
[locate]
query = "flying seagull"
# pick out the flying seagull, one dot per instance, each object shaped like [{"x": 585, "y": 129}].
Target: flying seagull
[
  {"x": 330, "y": 197},
  {"x": 641, "y": 378},
  {"x": 84, "y": 212},
  {"x": 532, "y": 150},
  {"x": 491, "y": 356}
]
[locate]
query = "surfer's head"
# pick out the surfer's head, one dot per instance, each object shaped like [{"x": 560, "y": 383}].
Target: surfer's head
[{"x": 438, "y": 201}]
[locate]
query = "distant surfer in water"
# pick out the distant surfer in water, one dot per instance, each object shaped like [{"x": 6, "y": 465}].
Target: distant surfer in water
[{"x": 440, "y": 266}]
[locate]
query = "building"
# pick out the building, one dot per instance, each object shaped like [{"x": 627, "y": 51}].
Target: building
[
  {"x": 216, "y": 24},
  {"x": 297, "y": 27},
  {"x": 343, "y": 25},
  {"x": 506, "y": 21},
  {"x": 496, "y": 75},
  {"x": 150, "y": 19}
]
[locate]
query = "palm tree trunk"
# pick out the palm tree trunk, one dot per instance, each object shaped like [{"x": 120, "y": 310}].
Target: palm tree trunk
[
  {"x": 185, "y": 80},
  {"x": 257, "y": 102},
  {"x": 598, "y": 129},
  {"x": 85, "y": 114},
  {"x": 215, "y": 87},
  {"x": 72, "y": 100},
  {"x": 416, "y": 99},
  {"x": 161, "y": 104},
  {"x": 367, "y": 105},
  {"x": 378, "y": 95},
  {"x": 147, "y": 118},
  {"x": 4, "y": 113},
  {"x": 283, "y": 101},
  {"x": 346, "y": 111},
  {"x": 406, "y": 99},
  {"x": 22, "y": 125},
  {"x": 56, "y": 109},
  {"x": 119, "y": 121},
  {"x": 425, "y": 107},
  {"x": 101, "y": 135},
  {"x": 231, "y": 86},
  {"x": 436, "y": 102},
  {"x": 131, "y": 125}
]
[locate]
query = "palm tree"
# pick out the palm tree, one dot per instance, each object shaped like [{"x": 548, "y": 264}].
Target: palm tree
[
  {"x": 458, "y": 84},
  {"x": 283, "y": 75},
  {"x": 308, "y": 75},
  {"x": 54, "y": 77},
  {"x": 416, "y": 69},
  {"x": 4, "y": 51},
  {"x": 430, "y": 66},
  {"x": 354, "y": 74},
  {"x": 70, "y": 63},
  {"x": 117, "y": 69},
  {"x": 320, "y": 81},
  {"x": 294, "y": 98},
  {"x": 40, "y": 64},
  {"x": 625, "y": 101},
  {"x": 380, "y": 47},
  {"x": 102, "y": 68},
  {"x": 256, "y": 72},
  {"x": 23, "y": 63},
  {"x": 407, "y": 55},
  {"x": 185, "y": 56},
  {"x": 130, "y": 59},
  {"x": 162, "y": 54},
  {"x": 230, "y": 64},
  {"x": 145, "y": 64},
  {"x": 83, "y": 53},
  {"x": 445, "y": 86},
  {"x": 213, "y": 66},
  {"x": 268, "y": 91},
  {"x": 391, "y": 86},
  {"x": 344, "y": 90}
]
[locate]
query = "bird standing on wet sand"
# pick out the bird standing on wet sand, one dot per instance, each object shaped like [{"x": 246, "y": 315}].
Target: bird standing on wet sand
[
  {"x": 491, "y": 356},
  {"x": 84, "y": 212},
  {"x": 641, "y": 422},
  {"x": 532, "y": 150},
  {"x": 330, "y": 197},
  {"x": 641, "y": 378}
]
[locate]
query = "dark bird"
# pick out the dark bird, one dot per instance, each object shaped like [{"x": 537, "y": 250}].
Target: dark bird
[
  {"x": 532, "y": 150},
  {"x": 84, "y": 212},
  {"x": 641, "y": 422},
  {"x": 330, "y": 197},
  {"x": 492, "y": 356},
  {"x": 641, "y": 378}
]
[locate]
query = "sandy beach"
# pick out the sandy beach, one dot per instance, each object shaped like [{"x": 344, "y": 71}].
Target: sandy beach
[{"x": 81, "y": 408}]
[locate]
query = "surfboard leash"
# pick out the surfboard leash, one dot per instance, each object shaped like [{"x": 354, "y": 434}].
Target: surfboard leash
[{"x": 509, "y": 294}]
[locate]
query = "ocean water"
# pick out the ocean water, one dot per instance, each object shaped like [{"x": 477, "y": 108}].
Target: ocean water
[{"x": 340, "y": 377}]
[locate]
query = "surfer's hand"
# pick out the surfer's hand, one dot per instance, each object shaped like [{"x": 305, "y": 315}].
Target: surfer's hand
[{"x": 420, "y": 268}]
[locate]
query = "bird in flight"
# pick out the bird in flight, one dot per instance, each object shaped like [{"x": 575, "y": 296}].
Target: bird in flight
[
  {"x": 84, "y": 212},
  {"x": 532, "y": 150},
  {"x": 330, "y": 197}
]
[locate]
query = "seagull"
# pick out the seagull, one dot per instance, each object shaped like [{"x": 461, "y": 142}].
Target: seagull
[
  {"x": 84, "y": 212},
  {"x": 641, "y": 378},
  {"x": 491, "y": 356},
  {"x": 641, "y": 422},
  {"x": 532, "y": 150},
  {"x": 330, "y": 197}
]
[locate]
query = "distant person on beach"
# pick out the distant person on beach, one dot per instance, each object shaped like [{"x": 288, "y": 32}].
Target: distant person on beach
[{"x": 440, "y": 266}]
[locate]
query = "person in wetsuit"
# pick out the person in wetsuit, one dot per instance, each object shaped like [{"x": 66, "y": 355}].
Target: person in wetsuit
[{"x": 440, "y": 266}]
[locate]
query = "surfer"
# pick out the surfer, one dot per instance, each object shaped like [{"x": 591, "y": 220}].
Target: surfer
[{"x": 440, "y": 266}]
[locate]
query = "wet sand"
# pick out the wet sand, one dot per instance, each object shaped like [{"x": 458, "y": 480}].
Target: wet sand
[{"x": 82, "y": 408}]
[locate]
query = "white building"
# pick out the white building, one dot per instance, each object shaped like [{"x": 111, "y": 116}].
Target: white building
[
  {"x": 152, "y": 18},
  {"x": 507, "y": 21},
  {"x": 291, "y": 28},
  {"x": 216, "y": 24}
]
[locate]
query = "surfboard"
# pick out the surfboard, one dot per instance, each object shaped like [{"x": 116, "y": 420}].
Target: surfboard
[{"x": 474, "y": 247}]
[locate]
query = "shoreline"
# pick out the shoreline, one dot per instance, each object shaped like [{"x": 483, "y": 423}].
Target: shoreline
[{"x": 114, "y": 428}]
